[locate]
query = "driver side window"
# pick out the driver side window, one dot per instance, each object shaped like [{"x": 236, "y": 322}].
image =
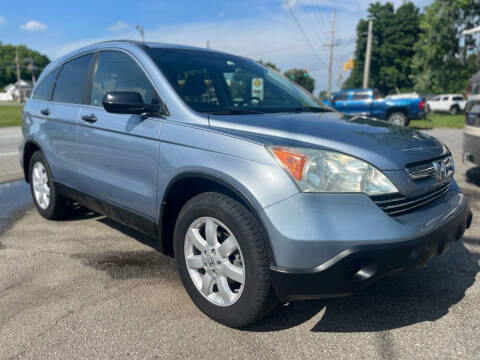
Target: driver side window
[{"x": 116, "y": 71}]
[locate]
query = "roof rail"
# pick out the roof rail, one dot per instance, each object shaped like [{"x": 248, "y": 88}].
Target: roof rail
[{"x": 134, "y": 42}]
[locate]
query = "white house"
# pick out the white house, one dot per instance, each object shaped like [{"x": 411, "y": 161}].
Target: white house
[{"x": 20, "y": 91}]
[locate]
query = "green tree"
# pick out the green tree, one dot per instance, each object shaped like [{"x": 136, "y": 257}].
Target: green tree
[
  {"x": 441, "y": 64},
  {"x": 269, "y": 64},
  {"x": 394, "y": 36},
  {"x": 322, "y": 95},
  {"x": 8, "y": 73},
  {"x": 302, "y": 78}
]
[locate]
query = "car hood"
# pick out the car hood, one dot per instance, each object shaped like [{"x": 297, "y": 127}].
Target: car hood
[{"x": 385, "y": 146}]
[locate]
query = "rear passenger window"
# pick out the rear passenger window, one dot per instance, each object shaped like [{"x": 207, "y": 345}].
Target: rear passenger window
[
  {"x": 341, "y": 97},
  {"x": 361, "y": 96},
  {"x": 117, "y": 71},
  {"x": 45, "y": 87},
  {"x": 72, "y": 81}
]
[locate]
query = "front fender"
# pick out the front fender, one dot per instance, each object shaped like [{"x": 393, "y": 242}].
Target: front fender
[{"x": 244, "y": 165}]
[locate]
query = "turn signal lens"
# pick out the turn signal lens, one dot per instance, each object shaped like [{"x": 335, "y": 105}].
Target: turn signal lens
[{"x": 292, "y": 161}]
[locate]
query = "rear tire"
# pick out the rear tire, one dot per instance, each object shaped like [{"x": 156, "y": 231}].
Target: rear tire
[
  {"x": 45, "y": 196},
  {"x": 201, "y": 232},
  {"x": 454, "y": 110},
  {"x": 398, "y": 118}
]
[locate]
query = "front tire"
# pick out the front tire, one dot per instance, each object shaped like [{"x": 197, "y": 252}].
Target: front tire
[
  {"x": 454, "y": 110},
  {"x": 223, "y": 260},
  {"x": 397, "y": 118},
  {"x": 45, "y": 196}
]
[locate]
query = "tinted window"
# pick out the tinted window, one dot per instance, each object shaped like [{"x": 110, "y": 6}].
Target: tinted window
[
  {"x": 457, "y": 98},
  {"x": 445, "y": 98},
  {"x": 72, "y": 81},
  {"x": 45, "y": 87},
  {"x": 341, "y": 97},
  {"x": 361, "y": 96},
  {"x": 221, "y": 83},
  {"x": 436, "y": 98},
  {"x": 117, "y": 71}
]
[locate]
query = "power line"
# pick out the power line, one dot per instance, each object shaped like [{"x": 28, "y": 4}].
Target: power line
[{"x": 307, "y": 40}]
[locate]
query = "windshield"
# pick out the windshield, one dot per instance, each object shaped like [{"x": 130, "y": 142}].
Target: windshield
[{"x": 216, "y": 83}]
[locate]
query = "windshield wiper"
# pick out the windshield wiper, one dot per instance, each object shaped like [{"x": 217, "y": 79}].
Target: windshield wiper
[
  {"x": 236, "y": 112},
  {"x": 311, "y": 109}
]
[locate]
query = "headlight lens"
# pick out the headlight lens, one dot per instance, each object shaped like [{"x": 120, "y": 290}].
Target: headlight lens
[{"x": 328, "y": 171}]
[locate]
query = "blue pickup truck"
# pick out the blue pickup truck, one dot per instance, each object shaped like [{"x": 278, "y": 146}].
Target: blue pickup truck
[{"x": 397, "y": 109}]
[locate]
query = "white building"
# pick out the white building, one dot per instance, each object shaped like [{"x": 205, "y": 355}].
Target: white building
[{"x": 20, "y": 91}]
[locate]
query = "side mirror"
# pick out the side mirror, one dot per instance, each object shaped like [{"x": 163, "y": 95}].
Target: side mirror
[{"x": 128, "y": 102}]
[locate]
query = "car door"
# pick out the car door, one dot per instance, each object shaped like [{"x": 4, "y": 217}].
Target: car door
[
  {"x": 361, "y": 103},
  {"x": 445, "y": 103},
  {"x": 434, "y": 104},
  {"x": 59, "y": 132},
  {"x": 118, "y": 154},
  {"x": 341, "y": 102}
]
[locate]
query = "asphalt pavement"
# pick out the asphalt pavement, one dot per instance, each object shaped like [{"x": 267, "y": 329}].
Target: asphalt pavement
[
  {"x": 92, "y": 288},
  {"x": 10, "y": 138}
]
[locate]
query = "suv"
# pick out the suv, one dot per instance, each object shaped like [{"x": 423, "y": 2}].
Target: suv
[
  {"x": 262, "y": 194},
  {"x": 453, "y": 103}
]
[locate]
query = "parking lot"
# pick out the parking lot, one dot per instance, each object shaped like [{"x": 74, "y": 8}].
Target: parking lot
[{"x": 89, "y": 287}]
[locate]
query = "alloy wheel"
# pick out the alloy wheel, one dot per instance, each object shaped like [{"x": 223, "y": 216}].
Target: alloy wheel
[
  {"x": 41, "y": 190},
  {"x": 214, "y": 261}
]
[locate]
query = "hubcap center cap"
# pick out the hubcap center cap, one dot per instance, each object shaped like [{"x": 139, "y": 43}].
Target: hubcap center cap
[{"x": 211, "y": 262}]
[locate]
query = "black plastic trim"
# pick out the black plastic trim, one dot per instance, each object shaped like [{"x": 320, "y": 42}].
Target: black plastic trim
[{"x": 114, "y": 212}]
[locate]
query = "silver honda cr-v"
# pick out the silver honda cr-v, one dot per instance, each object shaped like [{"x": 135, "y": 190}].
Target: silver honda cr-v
[{"x": 262, "y": 194}]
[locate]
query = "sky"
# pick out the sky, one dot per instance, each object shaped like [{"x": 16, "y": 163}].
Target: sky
[{"x": 261, "y": 29}]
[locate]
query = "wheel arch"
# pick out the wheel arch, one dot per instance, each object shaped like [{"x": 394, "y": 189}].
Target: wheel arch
[
  {"x": 185, "y": 186},
  {"x": 29, "y": 148}
]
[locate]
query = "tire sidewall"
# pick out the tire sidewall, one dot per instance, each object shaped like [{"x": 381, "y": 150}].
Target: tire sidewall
[
  {"x": 228, "y": 315},
  {"x": 454, "y": 110},
  {"x": 398, "y": 114},
  {"x": 49, "y": 211}
]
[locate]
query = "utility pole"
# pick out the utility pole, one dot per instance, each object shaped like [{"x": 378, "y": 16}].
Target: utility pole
[
  {"x": 31, "y": 67},
  {"x": 331, "y": 45},
  {"x": 17, "y": 63},
  {"x": 366, "y": 71},
  {"x": 140, "y": 30}
]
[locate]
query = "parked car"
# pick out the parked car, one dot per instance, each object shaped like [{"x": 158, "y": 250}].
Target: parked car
[
  {"x": 471, "y": 135},
  {"x": 366, "y": 102},
  {"x": 261, "y": 193},
  {"x": 452, "y": 103}
]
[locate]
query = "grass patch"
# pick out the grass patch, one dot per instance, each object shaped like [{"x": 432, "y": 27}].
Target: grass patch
[
  {"x": 11, "y": 115},
  {"x": 435, "y": 120}
]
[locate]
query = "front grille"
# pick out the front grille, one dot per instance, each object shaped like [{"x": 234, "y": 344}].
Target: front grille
[
  {"x": 440, "y": 168},
  {"x": 397, "y": 204}
]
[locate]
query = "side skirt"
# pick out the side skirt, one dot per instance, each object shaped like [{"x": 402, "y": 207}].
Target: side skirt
[{"x": 126, "y": 217}]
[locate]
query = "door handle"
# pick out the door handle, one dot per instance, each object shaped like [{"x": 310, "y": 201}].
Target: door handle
[
  {"x": 89, "y": 118},
  {"x": 45, "y": 112}
]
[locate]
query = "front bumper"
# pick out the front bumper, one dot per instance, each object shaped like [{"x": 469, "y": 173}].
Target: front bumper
[
  {"x": 358, "y": 267},
  {"x": 328, "y": 245}
]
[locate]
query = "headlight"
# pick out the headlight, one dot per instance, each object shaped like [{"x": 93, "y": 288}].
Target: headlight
[{"x": 328, "y": 171}]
